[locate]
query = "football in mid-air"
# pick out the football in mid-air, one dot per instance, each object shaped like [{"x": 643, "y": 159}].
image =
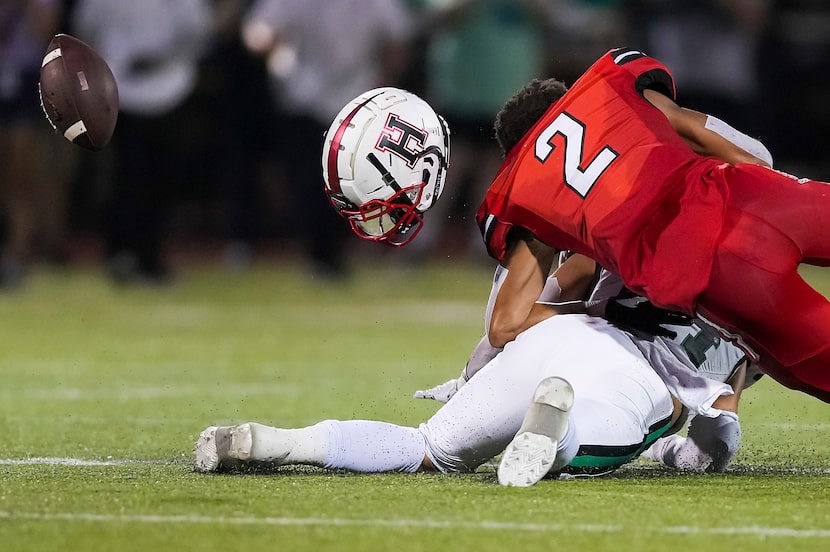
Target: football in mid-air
[{"x": 78, "y": 93}]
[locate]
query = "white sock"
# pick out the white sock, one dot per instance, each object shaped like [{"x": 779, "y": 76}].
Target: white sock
[
  {"x": 358, "y": 445},
  {"x": 566, "y": 449},
  {"x": 372, "y": 447},
  {"x": 306, "y": 445}
]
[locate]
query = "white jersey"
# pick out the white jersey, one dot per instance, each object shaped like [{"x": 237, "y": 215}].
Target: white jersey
[
  {"x": 700, "y": 348},
  {"x": 694, "y": 365}
]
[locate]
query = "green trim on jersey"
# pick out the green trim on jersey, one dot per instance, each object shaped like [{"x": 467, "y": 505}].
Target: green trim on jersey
[{"x": 606, "y": 458}]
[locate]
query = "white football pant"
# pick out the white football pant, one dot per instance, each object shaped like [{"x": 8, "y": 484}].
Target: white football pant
[{"x": 620, "y": 405}]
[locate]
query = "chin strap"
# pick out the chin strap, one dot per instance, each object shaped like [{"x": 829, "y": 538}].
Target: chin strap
[{"x": 387, "y": 177}]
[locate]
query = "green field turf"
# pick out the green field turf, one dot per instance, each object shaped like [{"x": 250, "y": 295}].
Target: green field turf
[{"x": 104, "y": 391}]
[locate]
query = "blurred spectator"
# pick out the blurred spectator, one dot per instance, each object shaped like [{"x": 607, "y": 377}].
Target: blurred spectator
[
  {"x": 154, "y": 48},
  {"x": 712, "y": 48},
  {"x": 795, "y": 75},
  {"x": 236, "y": 85},
  {"x": 480, "y": 53},
  {"x": 26, "y": 26},
  {"x": 582, "y": 31},
  {"x": 322, "y": 54}
]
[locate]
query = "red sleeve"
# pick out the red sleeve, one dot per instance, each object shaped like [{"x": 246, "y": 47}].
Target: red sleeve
[{"x": 495, "y": 233}]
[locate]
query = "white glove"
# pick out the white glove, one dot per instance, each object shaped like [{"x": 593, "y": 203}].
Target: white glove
[
  {"x": 710, "y": 446},
  {"x": 443, "y": 392}
]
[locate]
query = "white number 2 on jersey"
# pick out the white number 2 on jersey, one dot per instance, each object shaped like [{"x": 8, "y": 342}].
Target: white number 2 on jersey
[{"x": 573, "y": 132}]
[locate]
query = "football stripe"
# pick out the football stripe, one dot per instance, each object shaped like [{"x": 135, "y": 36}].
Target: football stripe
[
  {"x": 51, "y": 56},
  {"x": 334, "y": 150},
  {"x": 75, "y": 130},
  {"x": 82, "y": 80}
]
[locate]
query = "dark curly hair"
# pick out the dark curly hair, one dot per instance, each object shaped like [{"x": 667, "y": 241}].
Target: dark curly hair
[{"x": 522, "y": 111}]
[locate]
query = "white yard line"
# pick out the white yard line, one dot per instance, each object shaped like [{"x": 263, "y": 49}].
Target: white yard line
[
  {"x": 74, "y": 517},
  {"x": 761, "y": 532},
  {"x": 52, "y": 461},
  {"x": 69, "y": 419},
  {"x": 81, "y": 462}
]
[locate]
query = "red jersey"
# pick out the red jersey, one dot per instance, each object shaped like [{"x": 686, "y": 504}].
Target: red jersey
[{"x": 603, "y": 173}]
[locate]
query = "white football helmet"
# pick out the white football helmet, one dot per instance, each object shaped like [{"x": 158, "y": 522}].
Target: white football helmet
[{"x": 385, "y": 159}]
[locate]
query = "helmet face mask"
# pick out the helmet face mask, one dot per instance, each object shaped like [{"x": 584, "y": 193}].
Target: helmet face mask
[
  {"x": 384, "y": 164},
  {"x": 394, "y": 222}
]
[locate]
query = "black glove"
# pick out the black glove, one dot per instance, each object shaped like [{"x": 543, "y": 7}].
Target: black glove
[{"x": 636, "y": 314}]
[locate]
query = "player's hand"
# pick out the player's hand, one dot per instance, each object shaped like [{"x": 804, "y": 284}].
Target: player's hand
[
  {"x": 710, "y": 445},
  {"x": 637, "y": 314},
  {"x": 441, "y": 393}
]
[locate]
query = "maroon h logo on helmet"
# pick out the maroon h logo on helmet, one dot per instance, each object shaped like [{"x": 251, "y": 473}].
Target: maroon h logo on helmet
[{"x": 402, "y": 139}]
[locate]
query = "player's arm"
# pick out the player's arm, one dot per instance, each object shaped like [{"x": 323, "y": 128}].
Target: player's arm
[
  {"x": 528, "y": 263},
  {"x": 573, "y": 278},
  {"x": 569, "y": 282},
  {"x": 738, "y": 382},
  {"x": 711, "y": 443},
  {"x": 708, "y": 135}
]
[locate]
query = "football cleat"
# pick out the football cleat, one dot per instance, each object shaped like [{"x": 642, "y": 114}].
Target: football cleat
[
  {"x": 207, "y": 459},
  {"x": 222, "y": 447},
  {"x": 532, "y": 452}
]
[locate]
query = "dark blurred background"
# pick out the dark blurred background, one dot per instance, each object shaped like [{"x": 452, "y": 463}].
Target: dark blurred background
[{"x": 224, "y": 102}]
